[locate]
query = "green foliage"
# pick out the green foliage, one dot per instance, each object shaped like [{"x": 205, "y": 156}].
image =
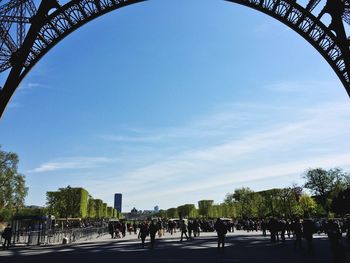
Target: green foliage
[
  {"x": 91, "y": 211},
  {"x": 228, "y": 210},
  {"x": 243, "y": 198},
  {"x": 244, "y": 202},
  {"x": 172, "y": 213},
  {"x": 32, "y": 212},
  {"x": 104, "y": 210},
  {"x": 307, "y": 205},
  {"x": 68, "y": 202},
  {"x": 109, "y": 212},
  {"x": 98, "y": 205},
  {"x": 5, "y": 215},
  {"x": 12, "y": 183},
  {"x": 84, "y": 202},
  {"x": 326, "y": 184},
  {"x": 161, "y": 213},
  {"x": 187, "y": 211},
  {"x": 115, "y": 213},
  {"x": 204, "y": 207},
  {"x": 120, "y": 215}
]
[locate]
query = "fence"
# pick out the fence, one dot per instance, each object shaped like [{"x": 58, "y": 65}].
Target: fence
[{"x": 56, "y": 237}]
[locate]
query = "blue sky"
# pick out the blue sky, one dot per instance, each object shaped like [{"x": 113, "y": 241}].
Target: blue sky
[{"x": 170, "y": 102}]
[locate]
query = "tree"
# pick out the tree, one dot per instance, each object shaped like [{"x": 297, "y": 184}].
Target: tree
[
  {"x": 91, "y": 211},
  {"x": 104, "y": 210},
  {"x": 244, "y": 198},
  {"x": 109, "y": 212},
  {"x": 12, "y": 184},
  {"x": 188, "y": 210},
  {"x": 204, "y": 207},
  {"x": 68, "y": 202},
  {"x": 228, "y": 210},
  {"x": 307, "y": 204},
  {"x": 323, "y": 183},
  {"x": 98, "y": 204},
  {"x": 28, "y": 211},
  {"x": 259, "y": 204},
  {"x": 172, "y": 213}
]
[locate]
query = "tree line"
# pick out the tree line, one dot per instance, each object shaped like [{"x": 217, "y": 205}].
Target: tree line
[
  {"x": 64, "y": 203},
  {"x": 12, "y": 185},
  {"x": 329, "y": 196},
  {"x": 70, "y": 202}
]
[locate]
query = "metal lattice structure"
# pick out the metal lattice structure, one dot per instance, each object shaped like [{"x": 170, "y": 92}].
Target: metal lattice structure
[
  {"x": 14, "y": 16},
  {"x": 47, "y": 29}
]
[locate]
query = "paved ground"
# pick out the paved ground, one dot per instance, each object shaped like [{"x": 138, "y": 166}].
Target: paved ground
[{"x": 240, "y": 247}]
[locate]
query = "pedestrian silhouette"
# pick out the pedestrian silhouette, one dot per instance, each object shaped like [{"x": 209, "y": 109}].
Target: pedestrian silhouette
[
  {"x": 183, "y": 227},
  {"x": 7, "y": 235},
  {"x": 153, "y": 229},
  {"x": 143, "y": 233},
  {"x": 221, "y": 230}
]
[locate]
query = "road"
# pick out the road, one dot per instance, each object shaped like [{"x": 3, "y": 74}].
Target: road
[{"x": 240, "y": 247}]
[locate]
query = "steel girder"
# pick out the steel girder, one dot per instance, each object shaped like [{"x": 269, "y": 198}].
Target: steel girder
[{"x": 48, "y": 29}]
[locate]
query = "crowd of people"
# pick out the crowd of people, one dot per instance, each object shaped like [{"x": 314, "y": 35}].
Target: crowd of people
[
  {"x": 278, "y": 229},
  {"x": 188, "y": 228}
]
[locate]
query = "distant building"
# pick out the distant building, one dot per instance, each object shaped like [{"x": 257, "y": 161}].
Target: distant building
[
  {"x": 118, "y": 202},
  {"x": 134, "y": 211},
  {"x": 156, "y": 209}
]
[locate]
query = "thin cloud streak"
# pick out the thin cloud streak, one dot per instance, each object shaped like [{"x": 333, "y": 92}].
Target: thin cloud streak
[
  {"x": 249, "y": 175},
  {"x": 72, "y": 163},
  {"x": 211, "y": 167}
]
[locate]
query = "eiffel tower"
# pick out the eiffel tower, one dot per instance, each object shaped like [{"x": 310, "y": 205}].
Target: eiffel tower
[{"x": 28, "y": 32}]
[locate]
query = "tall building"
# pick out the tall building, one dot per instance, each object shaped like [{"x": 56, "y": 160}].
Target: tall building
[{"x": 118, "y": 202}]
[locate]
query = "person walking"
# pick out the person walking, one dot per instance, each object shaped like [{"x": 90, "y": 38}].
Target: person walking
[
  {"x": 134, "y": 226},
  {"x": 144, "y": 232},
  {"x": 273, "y": 227},
  {"x": 335, "y": 237},
  {"x": 196, "y": 228},
  {"x": 111, "y": 229},
  {"x": 348, "y": 232},
  {"x": 183, "y": 227},
  {"x": 190, "y": 228},
  {"x": 171, "y": 227},
  {"x": 221, "y": 230},
  {"x": 153, "y": 229},
  {"x": 297, "y": 228},
  {"x": 263, "y": 227},
  {"x": 308, "y": 229},
  {"x": 160, "y": 227},
  {"x": 123, "y": 229},
  {"x": 7, "y": 235},
  {"x": 282, "y": 227}
]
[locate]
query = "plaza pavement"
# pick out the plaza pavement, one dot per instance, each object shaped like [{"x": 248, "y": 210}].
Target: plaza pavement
[{"x": 240, "y": 247}]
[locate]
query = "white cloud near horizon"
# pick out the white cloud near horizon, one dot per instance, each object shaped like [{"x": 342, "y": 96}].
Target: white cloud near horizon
[
  {"x": 307, "y": 137},
  {"x": 234, "y": 144}
]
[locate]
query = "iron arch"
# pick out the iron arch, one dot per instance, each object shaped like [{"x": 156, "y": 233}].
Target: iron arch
[{"x": 48, "y": 29}]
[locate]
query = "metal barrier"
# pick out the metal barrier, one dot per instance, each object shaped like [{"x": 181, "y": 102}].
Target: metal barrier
[{"x": 33, "y": 238}]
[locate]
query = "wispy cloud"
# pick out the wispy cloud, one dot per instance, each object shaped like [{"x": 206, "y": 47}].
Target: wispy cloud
[
  {"x": 72, "y": 163},
  {"x": 234, "y": 144},
  {"x": 29, "y": 86},
  {"x": 14, "y": 105},
  {"x": 304, "y": 87},
  {"x": 305, "y": 137},
  {"x": 122, "y": 138}
]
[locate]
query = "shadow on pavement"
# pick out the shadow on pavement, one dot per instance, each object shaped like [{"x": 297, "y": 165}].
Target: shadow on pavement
[{"x": 239, "y": 248}]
